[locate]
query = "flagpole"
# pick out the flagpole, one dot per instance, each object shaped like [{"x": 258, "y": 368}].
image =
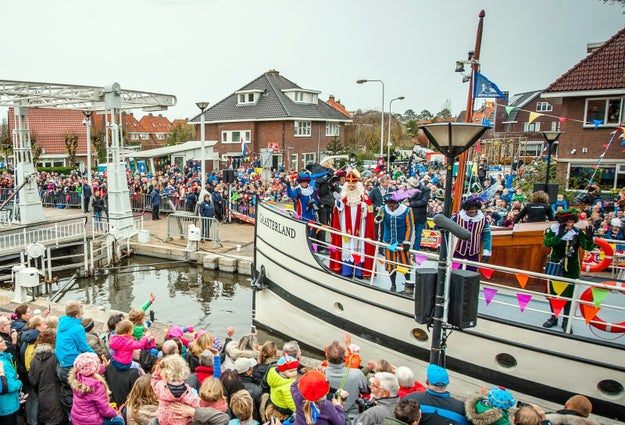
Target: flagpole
[{"x": 462, "y": 159}]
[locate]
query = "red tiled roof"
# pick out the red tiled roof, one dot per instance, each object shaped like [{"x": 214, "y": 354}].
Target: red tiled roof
[
  {"x": 602, "y": 69},
  {"x": 155, "y": 124},
  {"x": 338, "y": 106}
]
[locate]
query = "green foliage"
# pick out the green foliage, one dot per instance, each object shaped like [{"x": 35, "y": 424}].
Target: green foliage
[
  {"x": 99, "y": 143},
  {"x": 424, "y": 115},
  {"x": 180, "y": 133},
  {"x": 535, "y": 173},
  {"x": 335, "y": 147},
  {"x": 71, "y": 146},
  {"x": 59, "y": 170}
]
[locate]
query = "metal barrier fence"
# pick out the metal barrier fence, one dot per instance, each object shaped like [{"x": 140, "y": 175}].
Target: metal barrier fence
[
  {"x": 178, "y": 226},
  {"x": 61, "y": 199},
  {"x": 143, "y": 202},
  {"x": 44, "y": 234},
  {"x": 103, "y": 225}
]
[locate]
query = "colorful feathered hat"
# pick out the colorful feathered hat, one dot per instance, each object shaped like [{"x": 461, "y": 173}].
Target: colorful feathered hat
[{"x": 565, "y": 215}]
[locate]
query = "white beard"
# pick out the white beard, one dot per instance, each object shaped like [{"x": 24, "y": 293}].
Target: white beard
[{"x": 353, "y": 197}]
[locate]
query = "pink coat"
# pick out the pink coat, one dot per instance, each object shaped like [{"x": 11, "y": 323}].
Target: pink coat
[
  {"x": 165, "y": 398},
  {"x": 124, "y": 345},
  {"x": 90, "y": 405}
]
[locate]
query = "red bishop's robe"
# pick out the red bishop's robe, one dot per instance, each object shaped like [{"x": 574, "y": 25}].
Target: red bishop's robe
[{"x": 350, "y": 220}]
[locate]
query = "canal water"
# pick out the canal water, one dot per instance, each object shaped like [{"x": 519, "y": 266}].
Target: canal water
[{"x": 186, "y": 294}]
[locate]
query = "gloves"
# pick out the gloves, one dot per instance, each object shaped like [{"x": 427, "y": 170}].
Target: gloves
[
  {"x": 485, "y": 258},
  {"x": 406, "y": 246},
  {"x": 562, "y": 230},
  {"x": 590, "y": 233}
]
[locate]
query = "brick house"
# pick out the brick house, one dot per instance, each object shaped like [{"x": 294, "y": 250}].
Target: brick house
[
  {"x": 590, "y": 96},
  {"x": 273, "y": 111}
]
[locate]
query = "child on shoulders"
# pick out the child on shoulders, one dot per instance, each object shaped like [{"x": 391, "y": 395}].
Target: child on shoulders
[
  {"x": 169, "y": 386},
  {"x": 122, "y": 345}
]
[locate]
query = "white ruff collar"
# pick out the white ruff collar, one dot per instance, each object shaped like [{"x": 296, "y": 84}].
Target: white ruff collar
[
  {"x": 306, "y": 191},
  {"x": 398, "y": 211},
  {"x": 463, "y": 215}
]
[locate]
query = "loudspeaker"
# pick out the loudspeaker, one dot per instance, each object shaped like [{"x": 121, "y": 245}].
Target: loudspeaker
[
  {"x": 228, "y": 176},
  {"x": 552, "y": 190},
  {"x": 464, "y": 289},
  {"x": 425, "y": 294}
]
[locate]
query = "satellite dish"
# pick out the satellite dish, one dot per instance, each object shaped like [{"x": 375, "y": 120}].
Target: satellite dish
[{"x": 35, "y": 250}]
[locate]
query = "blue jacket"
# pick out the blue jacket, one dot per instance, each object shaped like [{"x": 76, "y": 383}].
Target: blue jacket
[
  {"x": 155, "y": 197},
  {"x": 71, "y": 340},
  {"x": 10, "y": 402},
  {"x": 207, "y": 209}
]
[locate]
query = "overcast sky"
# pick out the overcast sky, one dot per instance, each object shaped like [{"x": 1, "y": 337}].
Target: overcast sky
[{"x": 207, "y": 49}]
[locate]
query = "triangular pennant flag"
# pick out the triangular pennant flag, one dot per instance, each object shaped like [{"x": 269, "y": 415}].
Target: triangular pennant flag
[
  {"x": 489, "y": 294},
  {"x": 562, "y": 119},
  {"x": 510, "y": 109},
  {"x": 297, "y": 216},
  {"x": 605, "y": 146},
  {"x": 311, "y": 222},
  {"x": 557, "y": 304},
  {"x": 523, "y": 300},
  {"x": 559, "y": 287},
  {"x": 455, "y": 266},
  {"x": 522, "y": 279},
  {"x": 392, "y": 247},
  {"x": 488, "y": 273},
  {"x": 420, "y": 259},
  {"x": 381, "y": 261},
  {"x": 402, "y": 269},
  {"x": 478, "y": 146},
  {"x": 590, "y": 313},
  {"x": 598, "y": 295},
  {"x": 533, "y": 116},
  {"x": 486, "y": 123},
  {"x": 314, "y": 246},
  {"x": 597, "y": 123},
  {"x": 331, "y": 248},
  {"x": 356, "y": 258}
]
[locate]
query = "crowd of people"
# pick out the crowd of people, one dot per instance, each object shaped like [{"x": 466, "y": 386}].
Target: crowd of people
[{"x": 59, "y": 371}]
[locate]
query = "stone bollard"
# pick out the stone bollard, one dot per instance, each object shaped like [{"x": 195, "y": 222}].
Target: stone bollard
[
  {"x": 228, "y": 264},
  {"x": 211, "y": 262},
  {"x": 244, "y": 267}
]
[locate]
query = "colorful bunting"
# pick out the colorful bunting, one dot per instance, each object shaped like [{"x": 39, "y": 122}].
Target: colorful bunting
[
  {"x": 510, "y": 109},
  {"x": 598, "y": 295},
  {"x": 420, "y": 259},
  {"x": 314, "y": 246},
  {"x": 393, "y": 247},
  {"x": 590, "y": 313},
  {"x": 533, "y": 116},
  {"x": 558, "y": 286},
  {"x": 402, "y": 269},
  {"x": 489, "y": 294},
  {"x": 562, "y": 119},
  {"x": 597, "y": 123},
  {"x": 488, "y": 273},
  {"x": 557, "y": 304},
  {"x": 523, "y": 300},
  {"x": 332, "y": 248},
  {"x": 455, "y": 266},
  {"x": 522, "y": 279}
]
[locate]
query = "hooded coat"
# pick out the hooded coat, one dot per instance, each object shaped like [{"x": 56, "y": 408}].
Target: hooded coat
[
  {"x": 480, "y": 412},
  {"x": 91, "y": 401},
  {"x": 165, "y": 398},
  {"x": 71, "y": 340},
  {"x": 10, "y": 402},
  {"x": 569, "y": 417},
  {"x": 42, "y": 376}
]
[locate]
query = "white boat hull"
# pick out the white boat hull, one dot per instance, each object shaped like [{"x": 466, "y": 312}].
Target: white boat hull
[{"x": 305, "y": 301}]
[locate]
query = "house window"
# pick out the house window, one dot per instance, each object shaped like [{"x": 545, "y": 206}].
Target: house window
[
  {"x": 160, "y": 136},
  {"x": 235, "y": 136},
  {"x": 145, "y": 136},
  {"x": 308, "y": 157},
  {"x": 302, "y": 128},
  {"x": 294, "y": 163},
  {"x": 603, "y": 111},
  {"x": 250, "y": 97},
  {"x": 608, "y": 176},
  {"x": 554, "y": 126},
  {"x": 332, "y": 128},
  {"x": 246, "y": 98},
  {"x": 134, "y": 136},
  {"x": 543, "y": 107},
  {"x": 531, "y": 127}
]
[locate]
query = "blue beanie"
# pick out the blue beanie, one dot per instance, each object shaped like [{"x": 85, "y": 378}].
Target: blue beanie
[{"x": 501, "y": 398}]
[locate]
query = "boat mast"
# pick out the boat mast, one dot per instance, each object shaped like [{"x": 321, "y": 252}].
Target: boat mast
[{"x": 462, "y": 159}]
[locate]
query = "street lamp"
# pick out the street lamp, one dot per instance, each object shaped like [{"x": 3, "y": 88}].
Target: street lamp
[
  {"x": 451, "y": 139},
  {"x": 390, "y": 121},
  {"x": 382, "y": 123},
  {"x": 202, "y": 106},
  {"x": 551, "y": 137},
  {"x": 87, "y": 123}
]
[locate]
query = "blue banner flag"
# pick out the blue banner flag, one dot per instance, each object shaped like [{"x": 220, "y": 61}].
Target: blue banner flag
[{"x": 484, "y": 88}]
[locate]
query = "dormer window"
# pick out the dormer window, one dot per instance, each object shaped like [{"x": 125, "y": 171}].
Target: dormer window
[
  {"x": 248, "y": 97},
  {"x": 302, "y": 95}
]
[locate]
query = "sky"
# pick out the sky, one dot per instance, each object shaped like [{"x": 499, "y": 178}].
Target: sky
[{"x": 204, "y": 50}]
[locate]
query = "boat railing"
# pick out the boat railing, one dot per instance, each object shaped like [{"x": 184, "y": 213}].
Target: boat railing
[
  {"x": 585, "y": 301},
  {"x": 46, "y": 234}
]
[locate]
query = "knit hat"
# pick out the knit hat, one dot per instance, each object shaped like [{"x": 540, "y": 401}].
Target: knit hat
[
  {"x": 287, "y": 362},
  {"x": 243, "y": 364},
  {"x": 501, "y": 398},
  {"x": 437, "y": 376},
  {"x": 86, "y": 364},
  {"x": 313, "y": 385},
  {"x": 565, "y": 215},
  {"x": 88, "y": 324}
]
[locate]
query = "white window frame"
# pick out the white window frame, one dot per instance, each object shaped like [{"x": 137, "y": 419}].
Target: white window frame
[
  {"x": 308, "y": 157},
  {"x": 145, "y": 136},
  {"x": 161, "y": 136},
  {"x": 531, "y": 127},
  {"x": 333, "y": 128},
  {"x": 227, "y": 136},
  {"x": 606, "y": 109},
  {"x": 134, "y": 136},
  {"x": 544, "y": 107},
  {"x": 294, "y": 163},
  {"x": 302, "y": 128}
]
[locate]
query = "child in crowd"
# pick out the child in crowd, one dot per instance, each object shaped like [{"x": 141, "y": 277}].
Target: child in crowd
[
  {"x": 122, "y": 344},
  {"x": 137, "y": 317},
  {"x": 169, "y": 386},
  {"x": 490, "y": 408},
  {"x": 242, "y": 407},
  {"x": 312, "y": 407},
  {"x": 212, "y": 395},
  {"x": 280, "y": 379},
  {"x": 142, "y": 402},
  {"x": 91, "y": 402}
]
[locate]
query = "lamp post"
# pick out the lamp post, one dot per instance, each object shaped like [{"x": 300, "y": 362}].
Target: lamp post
[
  {"x": 382, "y": 123},
  {"x": 551, "y": 137},
  {"x": 87, "y": 122},
  {"x": 202, "y": 106},
  {"x": 451, "y": 139},
  {"x": 390, "y": 121}
]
